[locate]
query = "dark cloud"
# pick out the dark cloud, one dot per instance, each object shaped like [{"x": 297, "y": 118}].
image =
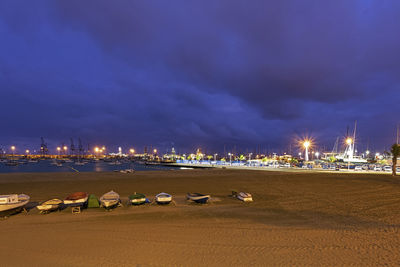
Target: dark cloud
[{"x": 199, "y": 73}]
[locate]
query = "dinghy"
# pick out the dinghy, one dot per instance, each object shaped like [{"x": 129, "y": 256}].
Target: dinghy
[
  {"x": 246, "y": 197},
  {"x": 110, "y": 200},
  {"x": 49, "y": 205},
  {"x": 76, "y": 199},
  {"x": 13, "y": 201},
  {"x": 163, "y": 198},
  {"x": 198, "y": 198},
  {"x": 137, "y": 199}
]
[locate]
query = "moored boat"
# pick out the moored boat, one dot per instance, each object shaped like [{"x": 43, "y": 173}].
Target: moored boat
[
  {"x": 163, "y": 198},
  {"x": 137, "y": 199},
  {"x": 198, "y": 198},
  {"x": 76, "y": 199},
  {"x": 110, "y": 200},
  {"x": 49, "y": 205},
  {"x": 13, "y": 201}
]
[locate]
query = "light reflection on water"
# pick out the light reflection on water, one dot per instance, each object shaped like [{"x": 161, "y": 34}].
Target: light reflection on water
[{"x": 100, "y": 166}]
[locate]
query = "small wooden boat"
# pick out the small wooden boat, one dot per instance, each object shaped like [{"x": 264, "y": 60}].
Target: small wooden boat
[
  {"x": 110, "y": 200},
  {"x": 246, "y": 197},
  {"x": 13, "y": 201},
  {"x": 76, "y": 199},
  {"x": 163, "y": 198},
  {"x": 49, "y": 205},
  {"x": 137, "y": 199},
  {"x": 198, "y": 198}
]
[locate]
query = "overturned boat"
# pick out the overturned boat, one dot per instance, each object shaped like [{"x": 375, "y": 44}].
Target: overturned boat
[
  {"x": 163, "y": 198},
  {"x": 198, "y": 198},
  {"x": 76, "y": 199},
  {"x": 110, "y": 200},
  {"x": 49, "y": 205},
  {"x": 137, "y": 199},
  {"x": 13, "y": 202}
]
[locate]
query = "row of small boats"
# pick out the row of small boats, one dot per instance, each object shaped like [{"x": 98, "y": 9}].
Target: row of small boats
[{"x": 108, "y": 201}]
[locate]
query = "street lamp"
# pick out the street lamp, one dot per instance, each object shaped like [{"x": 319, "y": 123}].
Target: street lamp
[
  {"x": 306, "y": 145},
  {"x": 132, "y": 151},
  {"x": 27, "y": 151},
  {"x": 316, "y": 154},
  {"x": 12, "y": 149},
  {"x": 230, "y": 158},
  {"x": 65, "y": 150},
  {"x": 58, "y": 149}
]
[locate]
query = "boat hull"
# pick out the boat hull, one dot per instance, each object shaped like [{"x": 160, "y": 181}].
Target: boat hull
[
  {"x": 22, "y": 201},
  {"x": 75, "y": 203},
  {"x": 9, "y": 207},
  {"x": 109, "y": 204},
  {"x": 137, "y": 201},
  {"x": 163, "y": 198},
  {"x": 49, "y": 205},
  {"x": 245, "y": 197},
  {"x": 110, "y": 200},
  {"x": 198, "y": 198}
]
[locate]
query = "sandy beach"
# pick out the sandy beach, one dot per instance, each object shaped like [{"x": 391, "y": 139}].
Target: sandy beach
[{"x": 296, "y": 219}]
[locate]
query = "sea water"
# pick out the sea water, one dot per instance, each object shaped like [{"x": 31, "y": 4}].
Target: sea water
[{"x": 97, "y": 166}]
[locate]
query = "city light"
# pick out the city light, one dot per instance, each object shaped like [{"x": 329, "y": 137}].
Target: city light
[
  {"x": 132, "y": 150},
  {"x": 12, "y": 148},
  {"x": 349, "y": 141},
  {"x": 27, "y": 151},
  {"x": 96, "y": 149},
  {"x": 58, "y": 149},
  {"x": 306, "y": 143}
]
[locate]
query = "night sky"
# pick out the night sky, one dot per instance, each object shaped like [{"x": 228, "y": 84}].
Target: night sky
[{"x": 245, "y": 74}]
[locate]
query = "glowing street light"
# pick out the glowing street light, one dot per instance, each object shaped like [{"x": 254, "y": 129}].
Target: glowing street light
[
  {"x": 306, "y": 145},
  {"x": 230, "y": 158},
  {"x": 349, "y": 141},
  {"x": 96, "y": 149},
  {"x": 132, "y": 150},
  {"x": 316, "y": 154},
  {"x": 155, "y": 151},
  {"x": 215, "y": 156},
  {"x": 27, "y": 151}
]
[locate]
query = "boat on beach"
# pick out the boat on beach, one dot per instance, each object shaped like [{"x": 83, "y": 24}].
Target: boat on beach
[
  {"x": 137, "y": 199},
  {"x": 198, "y": 198},
  {"x": 243, "y": 196},
  {"x": 163, "y": 198},
  {"x": 49, "y": 205},
  {"x": 13, "y": 201},
  {"x": 110, "y": 200},
  {"x": 76, "y": 199}
]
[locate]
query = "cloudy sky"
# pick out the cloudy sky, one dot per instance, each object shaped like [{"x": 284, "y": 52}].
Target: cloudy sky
[{"x": 211, "y": 74}]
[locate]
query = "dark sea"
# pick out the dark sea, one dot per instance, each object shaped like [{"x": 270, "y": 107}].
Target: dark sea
[{"x": 98, "y": 166}]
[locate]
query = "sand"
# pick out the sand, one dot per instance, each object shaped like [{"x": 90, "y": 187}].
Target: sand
[{"x": 297, "y": 219}]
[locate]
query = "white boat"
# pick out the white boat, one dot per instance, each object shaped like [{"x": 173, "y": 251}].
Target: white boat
[
  {"x": 49, "y": 205},
  {"x": 76, "y": 199},
  {"x": 13, "y": 201},
  {"x": 246, "y": 197},
  {"x": 110, "y": 200},
  {"x": 163, "y": 198},
  {"x": 198, "y": 198}
]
